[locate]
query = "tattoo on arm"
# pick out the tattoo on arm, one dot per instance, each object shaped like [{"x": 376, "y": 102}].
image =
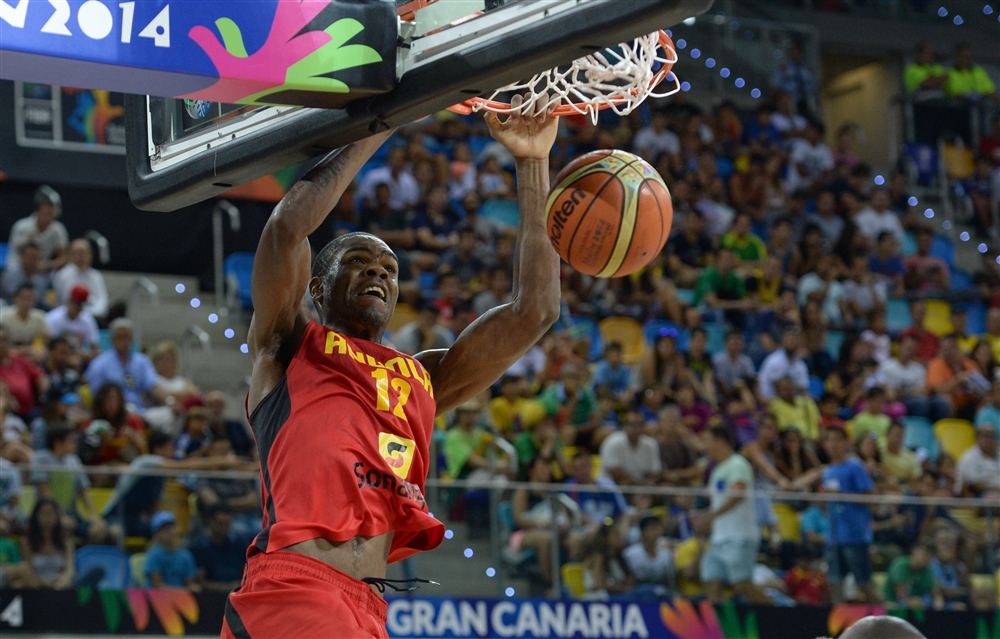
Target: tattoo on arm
[{"x": 328, "y": 169}]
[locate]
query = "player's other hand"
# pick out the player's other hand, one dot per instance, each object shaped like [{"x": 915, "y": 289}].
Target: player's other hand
[{"x": 526, "y": 136}]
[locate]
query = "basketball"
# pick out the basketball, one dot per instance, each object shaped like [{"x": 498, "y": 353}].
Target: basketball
[{"x": 609, "y": 213}]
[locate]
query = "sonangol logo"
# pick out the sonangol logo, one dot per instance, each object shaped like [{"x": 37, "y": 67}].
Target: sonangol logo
[
  {"x": 197, "y": 109},
  {"x": 397, "y": 452}
]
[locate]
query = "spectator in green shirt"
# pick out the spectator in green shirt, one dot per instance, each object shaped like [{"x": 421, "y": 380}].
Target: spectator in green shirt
[
  {"x": 872, "y": 419},
  {"x": 722, "y": 289},
  {"x": 748, "y": 248},
  {"x": 909, "y": 582},
  {"x": 541, "y": 440},
  {"x": 466, "y": 443},
  {"x": 924, "y": 74},
  {"x": 576, "y": 408},
  {"x": 967, "y": 79}
]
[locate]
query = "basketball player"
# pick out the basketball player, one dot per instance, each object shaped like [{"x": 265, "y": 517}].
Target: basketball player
[{"x": 342, "y": 422}]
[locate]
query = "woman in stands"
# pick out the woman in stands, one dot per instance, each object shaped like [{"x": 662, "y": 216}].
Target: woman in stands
[
  {"x": 47, "y": 551},
  {"x": 663, "y": 366},
  {"x": 814, "y": 333},
  {"x": 121, "y": 441},
  {"x": 982, "y": 355},
  {"x": 796, "y": 462}
]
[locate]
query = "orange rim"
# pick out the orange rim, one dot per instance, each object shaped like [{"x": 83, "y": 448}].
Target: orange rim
[
  {"x": 407, "y": 11},
  {"x": 469, "y": 106}
]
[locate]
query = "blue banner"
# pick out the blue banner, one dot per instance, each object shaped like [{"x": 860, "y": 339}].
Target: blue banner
[{"x": 232, "y": 51}]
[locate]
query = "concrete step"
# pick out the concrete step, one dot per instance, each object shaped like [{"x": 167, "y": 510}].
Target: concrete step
[
  {"x": 171, "y": 322},
  {"x": 120, "y": 283}
]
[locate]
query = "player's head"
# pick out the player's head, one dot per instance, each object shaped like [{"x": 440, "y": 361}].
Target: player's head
[
  {"x": 880, "y": 627},
  {"x": 354, "y": 285}
]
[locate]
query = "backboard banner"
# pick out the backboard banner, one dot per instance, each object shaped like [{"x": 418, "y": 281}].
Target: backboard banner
[{"x": 310, "y": 53}]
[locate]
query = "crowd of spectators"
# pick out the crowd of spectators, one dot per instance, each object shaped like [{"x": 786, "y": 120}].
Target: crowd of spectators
[
  {"x": 68, "y": 409},
  {"x": 778, "y": 242}
]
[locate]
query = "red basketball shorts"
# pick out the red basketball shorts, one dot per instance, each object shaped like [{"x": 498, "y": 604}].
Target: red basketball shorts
[{"x": 285, "y": 594}]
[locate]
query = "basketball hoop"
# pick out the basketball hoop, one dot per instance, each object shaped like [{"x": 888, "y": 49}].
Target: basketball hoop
[{"x": 619, "y": 78}]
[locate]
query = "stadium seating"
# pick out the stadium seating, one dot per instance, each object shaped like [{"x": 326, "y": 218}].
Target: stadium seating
[
  {"x": 27, "y": 499},
  {"x": 403, "y": 315},
  {"x": 976, "y": 312},
  {"x": 114, "y": 562},
  {"x": 572, "y": 578},
  {"x": 955, "y": 436},
  {"x": 897, "y": 315},
  {"x": 628, "y": 332},
  {"x": 789, "y": 526},
  {"x": 938, "y": 318},
  {"x": 239, "y": 269},
  {"x": 943, "y": 248},
  {"x": 834, "y": 340},
  {"x": 136, "y": 563},
  {"x": 716, "y": 337},
  {"x": 504, "y": 210},
  {"x": 686, "y": 295},
  {"x": 918, "y": 432},
  {"x": 175, "y": 500},
  {"x": 3, "y": 254},
  {"x": 585, "y": 326},
  {"x": 816, "y": 387},
  {"x": 960, "y": 280}
]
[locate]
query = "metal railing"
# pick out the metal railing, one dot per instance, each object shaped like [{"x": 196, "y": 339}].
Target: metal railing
[
  {"x": 218, "y": 252},
  {"x": 443, "y": 561},
  {"x": 194, "y": 333}
]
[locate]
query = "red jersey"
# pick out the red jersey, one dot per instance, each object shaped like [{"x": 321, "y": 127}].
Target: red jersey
[
  {"x": 806, "y": 586},
  {"x": 343, "y": 443}
]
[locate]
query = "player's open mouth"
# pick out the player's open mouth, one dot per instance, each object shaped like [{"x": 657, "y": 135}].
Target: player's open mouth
[{"x": 374, "y": 291}]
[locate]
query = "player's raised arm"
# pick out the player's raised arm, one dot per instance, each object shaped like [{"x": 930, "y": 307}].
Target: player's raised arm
[
  {"x": 487, "y": 348},
  {"x": 282, "y": 263}
]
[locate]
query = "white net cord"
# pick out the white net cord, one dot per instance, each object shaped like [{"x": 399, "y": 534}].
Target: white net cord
[{"x": 619, "y": 78}]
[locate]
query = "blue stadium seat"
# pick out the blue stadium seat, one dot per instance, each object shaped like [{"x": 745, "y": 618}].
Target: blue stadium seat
[
  {"x": 909, "y": 245},
  {"x": 3, "y": 254},
  {"x": 897, "y": 315},
  {"x": 477, "y": 144},
  {"x": 924, "y": 160},
  {"x": 240, "y": 266},
  {"x": 428, "y": 280},
  {"x": 506, "y": 211},
  {"x": 585, "y": 326},
  {"x": 918, "y": 432},
  {"x": 960, "y": 280},
  {"x": 716, "y": 337},
  {"x": 976, "y": 312},
  {"x": 816, "y": 387},
  {"x": 117, "y": 574},
  {"x": 686, "y": 295},
  {"x": 942, "y": 247},
  {"x": 834, "y": 339}
]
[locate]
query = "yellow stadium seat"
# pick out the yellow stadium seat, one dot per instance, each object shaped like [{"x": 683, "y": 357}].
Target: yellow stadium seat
[
  {"x": 938, "y": 318},
  {"x": 878, "y": 581},
  {"x": 136, "y": 544},
  {"x": 99, "y": 497},
  {"x": 958, "y": 161},
  {"x": 572, "y": 578},
  {"x": 626, "y": 331},
  {"x": 595, "y": 465},
  {"x": 136, "y": 563},
  {"x": 27, "y": 499},
  {"x": 175, "y": 499},
  {"x": 955, "y": 436},
  {"x": 788, "y": 523},
  {"x": 403, "y": 315}
]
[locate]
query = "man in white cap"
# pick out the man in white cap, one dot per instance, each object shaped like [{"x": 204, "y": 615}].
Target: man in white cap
[{"x": 42, "y": 229}]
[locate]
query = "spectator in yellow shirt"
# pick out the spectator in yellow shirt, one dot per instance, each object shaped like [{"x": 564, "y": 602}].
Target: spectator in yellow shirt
[
  {"x": 505, "y": 408},
  {"x": 992, "y": 336},
  {"x": 924, "y": 74},
  {"x": 749, "y": 248},
  {"x": 897, "y": 460},
  {"x": 792, "y": 408},
  {"x": 967, "y": 79}
]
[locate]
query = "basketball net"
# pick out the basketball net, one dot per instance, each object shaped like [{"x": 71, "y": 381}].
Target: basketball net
[{"x": 619, "y": 78}]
